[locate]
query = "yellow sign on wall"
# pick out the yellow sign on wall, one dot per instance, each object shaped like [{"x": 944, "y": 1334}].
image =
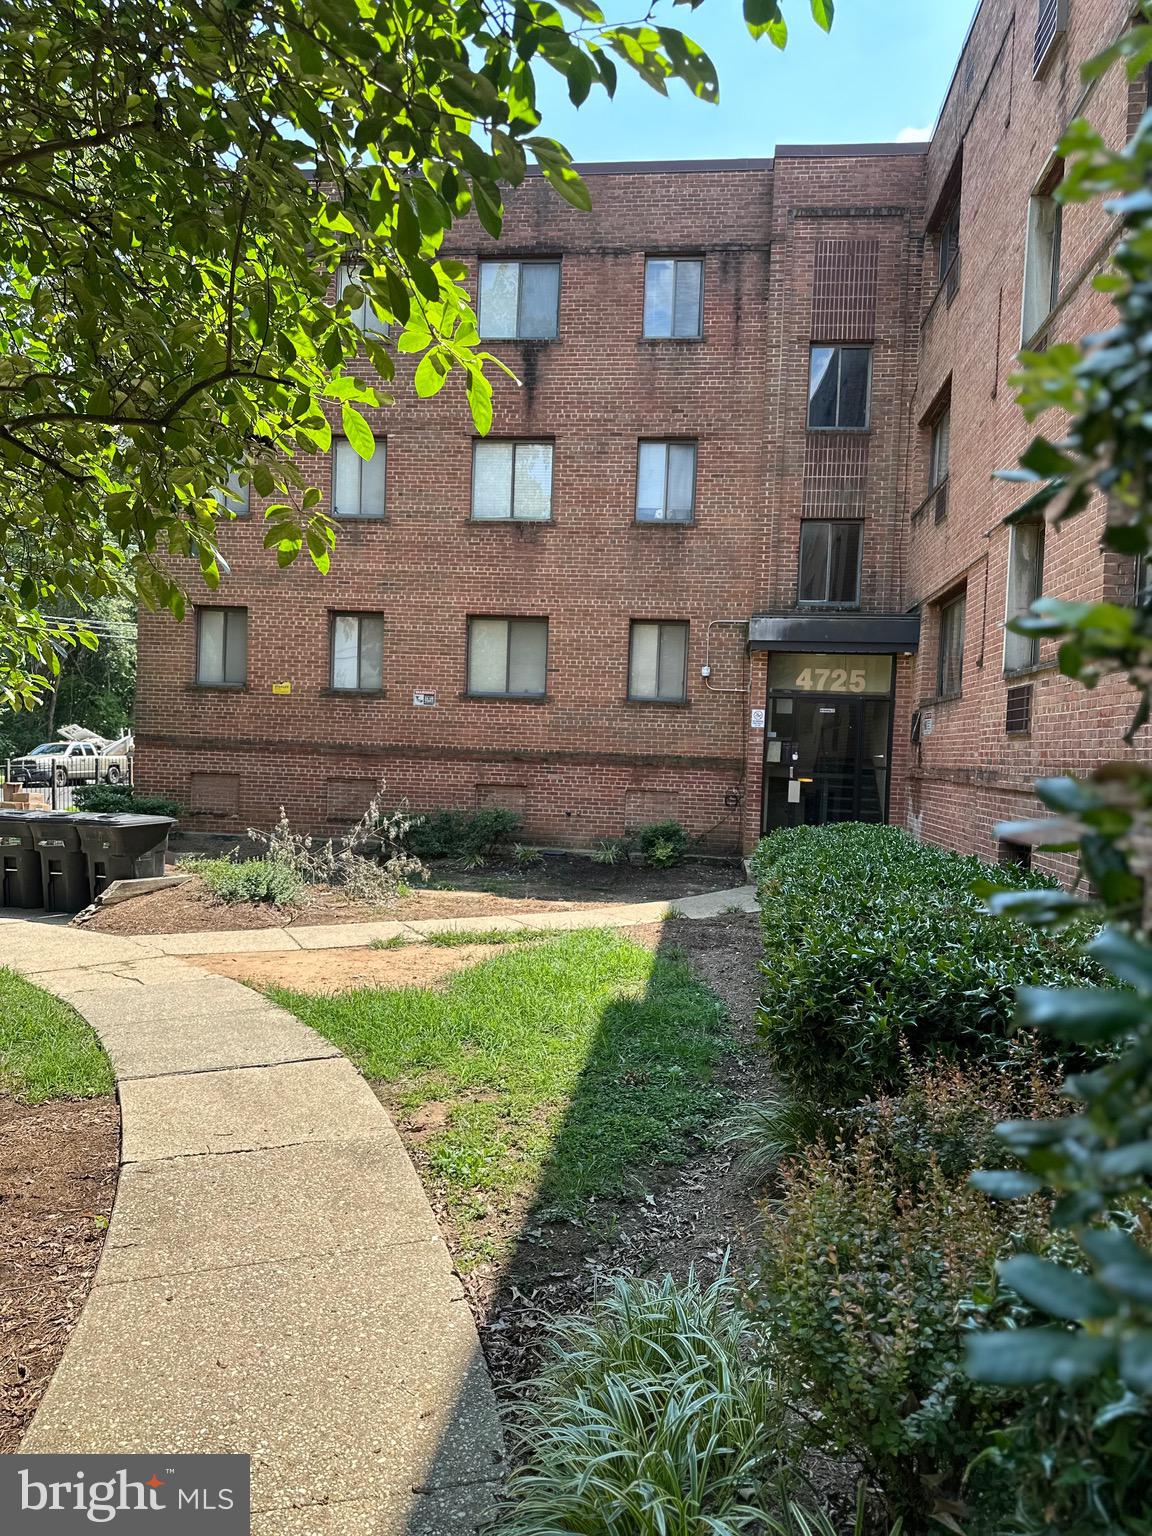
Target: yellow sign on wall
[{"x": 281, "y": 687}]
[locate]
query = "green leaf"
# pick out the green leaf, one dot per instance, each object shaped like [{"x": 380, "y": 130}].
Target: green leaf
[
  {"x": 1087, "y": 1014},
  {"x": 1136, "y": 1362},
  {"x": 822, "y": 13},
  {"x": 1024, "y": 1356},
  {"x": 1056, "y": 1290},
  {"x": 357, "y": 431},
  {"x": 1005, "y": 1184}
]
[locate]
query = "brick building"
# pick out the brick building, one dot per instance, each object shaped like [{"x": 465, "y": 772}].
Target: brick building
[{"x": 732, "y": 552}]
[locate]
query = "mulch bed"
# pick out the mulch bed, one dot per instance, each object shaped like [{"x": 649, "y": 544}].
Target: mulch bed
[
  {"x": 58, "y": 1164},
  {"x": 559, "y": 882}
]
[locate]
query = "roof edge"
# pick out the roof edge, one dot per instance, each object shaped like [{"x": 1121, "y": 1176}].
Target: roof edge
[{"x": 847, "y": 151}]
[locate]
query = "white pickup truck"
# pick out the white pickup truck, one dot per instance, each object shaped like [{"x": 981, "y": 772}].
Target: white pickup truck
[{"x": 71, "y": 762}]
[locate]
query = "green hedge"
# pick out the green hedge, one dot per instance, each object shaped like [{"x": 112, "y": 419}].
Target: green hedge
[
  {"x": 122, "y": 797},
  {"x": 461, "y": 834},
  {"x": 876, "y": 946}
]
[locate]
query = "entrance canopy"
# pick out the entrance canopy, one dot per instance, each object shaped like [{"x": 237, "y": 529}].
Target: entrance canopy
[{"x": 848, "y": 633}]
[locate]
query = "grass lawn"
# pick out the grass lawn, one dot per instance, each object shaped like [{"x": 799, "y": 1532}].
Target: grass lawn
[
  {"x": 549, "y": 1075},
  {"x": 46, "y": 1049}
]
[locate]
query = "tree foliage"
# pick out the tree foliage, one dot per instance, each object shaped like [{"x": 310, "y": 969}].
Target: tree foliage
[
  {"x": 180, "y": 181},
  {"x": 1098, "y": 1160}
]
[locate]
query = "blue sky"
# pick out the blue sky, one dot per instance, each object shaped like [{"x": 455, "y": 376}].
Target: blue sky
[{"x": 881, "y": 73}]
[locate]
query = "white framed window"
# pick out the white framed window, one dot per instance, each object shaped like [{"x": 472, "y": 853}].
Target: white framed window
[
  {"x": 357, "y": 652},
  {"x": 222, "y": 647},
  {"x": 839, "y": 386},
  {"x": 673, "y": 296},
  {"x": 519, "y": 300},
  {"x": 508, "y": 658},
  {"x": 950, "y": 648},
  {"x": 511, "y": 481},
  {"x": 658, "y": 661},
  {"x": 364, "y": 316},
  {"x": 1025, "y": 585},
  {"x": 358, "y": 485},
  {"x": 830, "y": 562},
  {"x": 1042, "y": 253},
  {"x": 237, "y": 493},
  {"x": 666, "y": 482}
]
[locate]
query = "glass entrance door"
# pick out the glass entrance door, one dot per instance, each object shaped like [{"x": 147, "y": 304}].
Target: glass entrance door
[{"x": 825, "y": 759}]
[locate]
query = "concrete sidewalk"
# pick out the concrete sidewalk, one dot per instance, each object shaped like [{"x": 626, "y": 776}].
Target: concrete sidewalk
[{"x": 273, "y": 1280}]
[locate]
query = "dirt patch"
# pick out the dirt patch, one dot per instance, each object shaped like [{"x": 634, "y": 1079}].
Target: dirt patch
[
  {"x": 694, "y": 1217},
  {"x": 58, "y": 1165},
  {"x": 327, "y": 971},
  {"x": 559, "y": 883}
]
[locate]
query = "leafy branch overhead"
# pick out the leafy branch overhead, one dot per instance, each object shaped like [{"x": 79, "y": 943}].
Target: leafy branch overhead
[{"x": 180, "y": 182}]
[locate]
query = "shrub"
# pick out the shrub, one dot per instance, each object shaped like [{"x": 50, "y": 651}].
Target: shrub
[
  {"x": 863, "y": 1287},
  {"x": 650, "y": 1414},
  {"x": 663, "y": 844},
  {"x": 368, "y": 862},
  {"x": 611, "y": 851},
  {"x": 461, "y": 834},
  {"x": 877, "y": 947},
  {"x": 122, "y": 797},
  {"x": 251, "y": 880}
]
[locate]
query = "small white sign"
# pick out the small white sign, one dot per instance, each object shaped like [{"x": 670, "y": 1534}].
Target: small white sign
[
  {"x": 423, "y": 699},
  {"x": 927, "y": 725},
  {"x": 757, "y": 719},
  {"x": 793, "y": 791}
]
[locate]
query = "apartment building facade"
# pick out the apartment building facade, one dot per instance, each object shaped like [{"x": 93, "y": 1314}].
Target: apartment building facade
[{"x": 731, "y": 552}]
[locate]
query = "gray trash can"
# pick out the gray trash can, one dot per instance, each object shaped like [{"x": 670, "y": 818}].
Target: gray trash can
[
  {"x": 63, "y": 866},
  {"x": 123, "y": 846},
  {"x": 20, "y": 880}
]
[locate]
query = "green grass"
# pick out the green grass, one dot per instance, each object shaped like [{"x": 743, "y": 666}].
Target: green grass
[
  {"x": 46, "y": 1049},
  {"x": 564, "y": 1068},
  {"x": 450, "y": 938}
]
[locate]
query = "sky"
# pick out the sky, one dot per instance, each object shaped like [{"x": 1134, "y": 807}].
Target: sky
[{"x": 881, "y": 74}]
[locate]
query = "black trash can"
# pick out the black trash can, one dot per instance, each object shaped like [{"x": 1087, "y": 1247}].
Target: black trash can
[
  {"x": 123, "y": 846},
  {"x": 21, "y": 884},
  {"x": 63, "y": 866}
]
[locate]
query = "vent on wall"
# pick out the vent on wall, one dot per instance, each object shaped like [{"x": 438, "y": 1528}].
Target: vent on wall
[
  {"x": 1051, "y": 25},
  {"x": 1018, "y": 710}
]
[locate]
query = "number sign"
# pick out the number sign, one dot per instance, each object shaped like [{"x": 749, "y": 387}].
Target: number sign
[{"x": 820, "y": 673}]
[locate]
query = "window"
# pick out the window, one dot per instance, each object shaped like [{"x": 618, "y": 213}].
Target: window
[
  {"x": 1018, "y": 710},
  {"x": 838, "y": 386},
  {"x": 938, "y": 446},
  {"x": 950, "y": 649},
  {"x": 519, "y": 300},
  {"x": 829, "y": 562},
  {"x": 511, "y": 481},
  {"x": 357, "y": 652},
  {"x": 658, "y": 662},
  {"x": 236, "y": 495},
  {"x": 948, "y": 242},
  {"x": 1042, "y": 254},
  {"x": 364, "y": 316},
  {"x": 508, "y": 658},
  {"x": 1025, "y": 583},
  {"x": 222, "y": 647},
  {"x": 1051, "y": 25},
  {"x": 666, "y": 482},
  {"x": 358, "y": 484},
  {"x": 673, "y": 294}
]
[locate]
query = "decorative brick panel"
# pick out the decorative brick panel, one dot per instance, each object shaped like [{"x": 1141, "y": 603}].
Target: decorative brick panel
[
  {"x": 835, "y": 474},
  {"x": 844, "y": 290}
]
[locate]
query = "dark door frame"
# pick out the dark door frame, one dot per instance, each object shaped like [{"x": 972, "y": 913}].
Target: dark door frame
[{"x": 793, "y": 693}]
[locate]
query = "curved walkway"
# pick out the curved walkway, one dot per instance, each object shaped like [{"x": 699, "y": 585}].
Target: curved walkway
[{"x": 273, "y": 1280}]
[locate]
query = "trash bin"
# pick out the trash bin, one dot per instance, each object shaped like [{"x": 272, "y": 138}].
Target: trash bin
[
  {"x": 63, "y": 866},
  {"x": 123, "y": 846},
  {"x": 20, "y": 881}
]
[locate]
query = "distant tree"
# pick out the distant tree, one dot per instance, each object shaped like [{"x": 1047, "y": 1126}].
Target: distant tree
[{"x": 180, "y": 180}]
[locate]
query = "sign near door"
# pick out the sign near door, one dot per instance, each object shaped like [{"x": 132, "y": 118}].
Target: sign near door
[{"x": 824, "y": 673}]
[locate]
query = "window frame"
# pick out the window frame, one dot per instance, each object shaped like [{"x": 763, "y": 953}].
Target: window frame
[
  {"x": 840, "y": 347},
  {"x": 479, "y": 443},
  {"x": 678, "y": 260},
  {"x": 939, "y": 430},
  {"x": 226, "y": 609},
  {"x": 359, "y": 615},
  {"x": 948, "y": 241},
  {"x": 947, "y": 685},
  {"x": 1045, "y": 222},
  {"x": 508, "y": 619},
  {"x": 829, "y": 523},
  {"x": 370, "y": 324},
  {"x": 519, "y": 262},
  {"x": 667, "y": 443},
  {"x": 358, "y": 517},
  {"x": 1011, "y": 639},
  {"x": 660, "y": 625}
]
